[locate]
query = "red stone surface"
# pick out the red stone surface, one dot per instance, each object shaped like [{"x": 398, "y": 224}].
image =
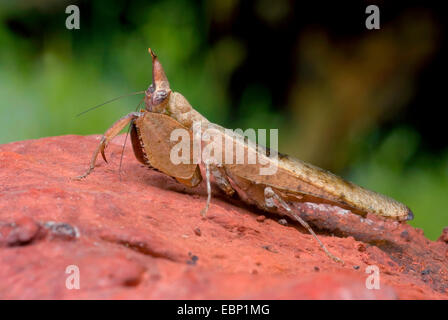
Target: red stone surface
[{"x": 142, "y": 237}]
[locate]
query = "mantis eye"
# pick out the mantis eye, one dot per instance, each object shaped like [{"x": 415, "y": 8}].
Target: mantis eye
[
  {"x": 150, "y": 90},
  {"x": 159, "y": 96}
]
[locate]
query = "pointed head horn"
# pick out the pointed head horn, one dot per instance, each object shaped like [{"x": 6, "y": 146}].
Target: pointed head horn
[
  {"x": 159, "y": 79},
  {"x": 159, "y": 90}
]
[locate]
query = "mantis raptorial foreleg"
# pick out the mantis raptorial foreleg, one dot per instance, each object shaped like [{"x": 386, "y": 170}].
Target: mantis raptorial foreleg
[
  {"x": 111, "y": 133},
  {"x": 274, "y": 200}
]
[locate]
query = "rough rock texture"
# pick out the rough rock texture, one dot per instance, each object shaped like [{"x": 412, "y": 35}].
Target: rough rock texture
[{"x": 142, "y": 237}]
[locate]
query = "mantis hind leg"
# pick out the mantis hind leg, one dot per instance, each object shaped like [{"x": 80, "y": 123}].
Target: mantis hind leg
[
  {"x": 111, "y": 133},
  {"x": 274, "y": 200}
]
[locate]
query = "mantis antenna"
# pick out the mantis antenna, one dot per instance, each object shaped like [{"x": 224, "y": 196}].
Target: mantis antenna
[{"x": 109, "y": 101}]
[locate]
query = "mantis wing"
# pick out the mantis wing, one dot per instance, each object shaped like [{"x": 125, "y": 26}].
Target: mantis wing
[{"x": 301, "y": 181}]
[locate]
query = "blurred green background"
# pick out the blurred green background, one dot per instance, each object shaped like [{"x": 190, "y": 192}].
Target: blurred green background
[{"x": 366, "y": 104}]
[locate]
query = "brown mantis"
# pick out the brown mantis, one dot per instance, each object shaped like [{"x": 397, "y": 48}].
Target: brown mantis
[{"x": 291, "y": 182}]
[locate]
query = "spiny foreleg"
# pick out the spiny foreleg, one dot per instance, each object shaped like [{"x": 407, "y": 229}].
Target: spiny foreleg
[{"x": 111, "y": 133}]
